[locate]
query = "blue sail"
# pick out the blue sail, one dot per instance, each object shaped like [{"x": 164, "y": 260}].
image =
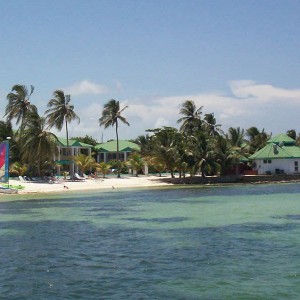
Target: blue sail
[{"x": 4, "y": 161}]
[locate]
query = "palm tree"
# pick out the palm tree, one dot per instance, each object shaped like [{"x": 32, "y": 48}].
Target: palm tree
[
  {"x": 37, "y": 138},
  {"x": 19, "y": 168},
  {"x": 211, "y": 126},
  {"x": 165, "y": 150},
  {"x": 18, "y": 104},
  {"x": 202, "y": 147},
  {"x": 236, "y": 136},
  {"x": 84, "y": 162},
  {"x": 191, "y": 117},
  {"x": 226, "y": 155},
  {"x": 144, "y": 141},
  {"x": 156, "y": 163},
  {"x": 292, "y": 134},
  {"x": 257, "y": 139},
  {"x": 111, "y": 115},
  {"x": 135, "y": 161},
  {"x": 61, "y": 112},
  {"x": 102, "y": 168}
]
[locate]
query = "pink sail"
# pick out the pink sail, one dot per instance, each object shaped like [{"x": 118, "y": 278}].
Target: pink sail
[{"x": 4, "y": 161}]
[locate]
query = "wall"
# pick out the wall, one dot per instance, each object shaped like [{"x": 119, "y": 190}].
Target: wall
[
  {"x": 232, "y": 179},
  {"x": 277, "y": 166}
]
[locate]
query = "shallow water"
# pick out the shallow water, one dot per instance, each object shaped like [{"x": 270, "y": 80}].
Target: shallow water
[{"x": 234, "y": 242}]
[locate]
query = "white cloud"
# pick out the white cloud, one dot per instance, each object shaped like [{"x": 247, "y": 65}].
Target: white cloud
[
  {"x": 263, "y": 92},
  {"x": 160, "y": 122},
  {"x": 86, "y": 87},
  {"x": 118, "y": 86},
  {"x": 251, "y": 104}
]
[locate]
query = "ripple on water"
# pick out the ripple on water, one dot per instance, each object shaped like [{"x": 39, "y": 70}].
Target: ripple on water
[{"x": 191, "y": 243}]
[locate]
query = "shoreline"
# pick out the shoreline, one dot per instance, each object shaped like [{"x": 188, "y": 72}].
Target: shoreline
[
  {"x": 125, "y": 181},
  {"x": 142, "y": 181}
]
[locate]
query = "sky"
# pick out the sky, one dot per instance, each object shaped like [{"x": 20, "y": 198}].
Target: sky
[{"x": 238, "y": 59}]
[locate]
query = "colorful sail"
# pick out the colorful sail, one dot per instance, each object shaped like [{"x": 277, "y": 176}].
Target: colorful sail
[{"x": 4, "y": 161}]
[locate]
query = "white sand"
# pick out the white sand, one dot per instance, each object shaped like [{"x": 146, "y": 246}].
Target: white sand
[{"x": 89, "y": 184}]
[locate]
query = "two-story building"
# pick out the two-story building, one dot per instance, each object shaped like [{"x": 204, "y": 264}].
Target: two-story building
[
  {"x": 63, "y": 159},
  {"x": 108, "y": 151}
]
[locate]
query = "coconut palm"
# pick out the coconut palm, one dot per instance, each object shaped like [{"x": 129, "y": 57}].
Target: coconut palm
[
  {"x": 165, "y": 142},
  {"x": 292, "y": 134},
  {"x": 156, "y": 163},
  {"x": 18, "y": 104},
  {"x": 39, "y": 145},
  {"x": 111, "y": 115},
  {"x": 144, "y": 141},
  {"x": 257, "y": 139},
  {"x": 236, "y": 136},
  {"x": 135, "y": 161},
  {"x": 226, "y": 155},
  {"x": 211, "y": 126},
  {"x": 61, "y": 112},
  {"x": 84, "y": 162},
  {"x": 19, "y": 168},
  {"x": 191, "y": 117},
  {"x": 103, "y": 168}
]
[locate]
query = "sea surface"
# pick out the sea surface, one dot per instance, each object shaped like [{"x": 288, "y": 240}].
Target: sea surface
[{"x": 230, "y": 242}]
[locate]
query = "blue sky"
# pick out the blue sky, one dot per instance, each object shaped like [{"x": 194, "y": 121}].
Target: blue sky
[{"x": 238, "y": 59}]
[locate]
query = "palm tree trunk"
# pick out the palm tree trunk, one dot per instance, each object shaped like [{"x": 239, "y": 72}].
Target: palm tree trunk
[
  {"x": 118, "y": 154},
  {"x": 68, "y": 149},
  {"x": 39, "y": 167}
]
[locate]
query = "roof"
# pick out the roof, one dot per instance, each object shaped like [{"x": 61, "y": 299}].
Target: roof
[
  {"x": 282, "y": 139},
  {"x": 111, "y": 146},
  {"x": 72, "y": 143},
  {"x": 280, "y": 146}
]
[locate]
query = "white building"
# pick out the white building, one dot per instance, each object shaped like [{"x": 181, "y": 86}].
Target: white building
[{"x": 279, "y": 156}]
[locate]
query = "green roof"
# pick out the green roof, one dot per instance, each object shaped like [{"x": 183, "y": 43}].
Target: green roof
[
  {"x": 72, "y": 143},
  {"x": 111, "y": 146},
  {"x": 280, "y": 146},
  {"x": 282, "y": 139}
]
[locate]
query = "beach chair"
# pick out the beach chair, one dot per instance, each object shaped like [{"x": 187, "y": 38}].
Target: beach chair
[
  {"x": 22, "y": 179},
  {"x": 78, "y": 177}
]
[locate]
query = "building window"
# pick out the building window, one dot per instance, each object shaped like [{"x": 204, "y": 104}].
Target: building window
[
  {"x": 267, "y": 161},
  {"x": 296, "y": 166}
]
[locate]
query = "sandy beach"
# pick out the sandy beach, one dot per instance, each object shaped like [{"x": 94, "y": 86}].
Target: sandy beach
[{"x": 88, "y": 184}]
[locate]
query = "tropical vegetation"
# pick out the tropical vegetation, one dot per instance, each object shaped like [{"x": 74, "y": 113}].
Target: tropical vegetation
[
  {"x": 198, "y": 146},
  {"x": 61, "y": 112},
  {"x": 111, "y": 115}
]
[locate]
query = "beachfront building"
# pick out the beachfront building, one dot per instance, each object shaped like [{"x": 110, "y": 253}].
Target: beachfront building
[
  {"x": 63, "y": 161},
  {"x": 108, "y": 151},
  {"x": 279, "y": 156}
]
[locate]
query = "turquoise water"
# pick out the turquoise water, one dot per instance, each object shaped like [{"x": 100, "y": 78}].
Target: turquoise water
[{"x": 238, "y": 242}]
